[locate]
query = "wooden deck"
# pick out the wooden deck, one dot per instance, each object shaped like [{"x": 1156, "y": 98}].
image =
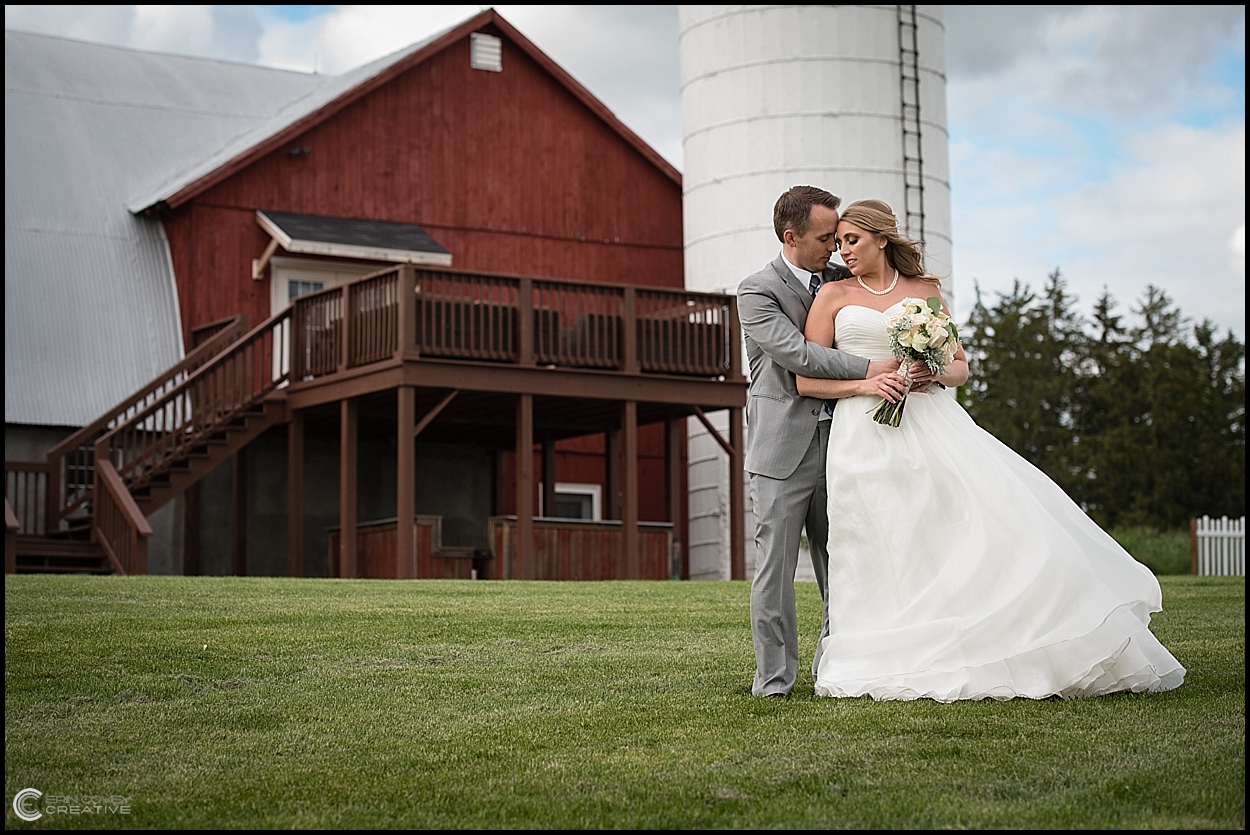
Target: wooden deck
[{"x": 462, "y": 357}]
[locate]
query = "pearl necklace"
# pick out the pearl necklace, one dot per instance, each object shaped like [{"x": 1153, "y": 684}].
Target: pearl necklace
[{"x": 878, "y": 292}]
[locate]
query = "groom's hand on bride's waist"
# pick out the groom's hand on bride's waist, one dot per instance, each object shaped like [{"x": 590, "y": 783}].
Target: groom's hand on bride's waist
[{"x": 881, "y": 367}]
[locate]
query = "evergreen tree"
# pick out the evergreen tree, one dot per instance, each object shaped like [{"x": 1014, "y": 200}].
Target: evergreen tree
[
  {"x": 1141, "y": 425},
  {"x": 1025, "y": 354}
]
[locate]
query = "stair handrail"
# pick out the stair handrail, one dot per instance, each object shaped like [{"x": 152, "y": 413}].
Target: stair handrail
[
  {"x": 119, "y": 527},
  {"x": 79, "y": 447},
  {"x": 152, "y": 439}
]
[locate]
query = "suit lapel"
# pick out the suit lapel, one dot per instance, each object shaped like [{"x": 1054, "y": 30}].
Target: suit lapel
[{"x": 788, "y": 278}]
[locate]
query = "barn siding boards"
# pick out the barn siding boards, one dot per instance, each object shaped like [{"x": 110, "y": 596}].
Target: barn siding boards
[{"x": 509, "y": 171}]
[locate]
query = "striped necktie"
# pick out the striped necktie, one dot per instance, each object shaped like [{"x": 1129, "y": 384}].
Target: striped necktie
[{"x": 814, "y": 287}]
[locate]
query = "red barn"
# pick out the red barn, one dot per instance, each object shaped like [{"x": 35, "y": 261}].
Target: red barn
[{"x": 388, "y": 285}]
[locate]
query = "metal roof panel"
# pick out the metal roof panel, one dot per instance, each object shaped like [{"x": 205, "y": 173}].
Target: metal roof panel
[{"x": 91, "y": 311}]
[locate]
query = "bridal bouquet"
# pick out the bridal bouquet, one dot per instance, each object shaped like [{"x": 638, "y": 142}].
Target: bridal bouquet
[{"x": 920, "y": 333}]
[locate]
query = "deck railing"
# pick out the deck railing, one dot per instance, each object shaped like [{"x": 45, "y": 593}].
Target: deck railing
[
  {"x": 373, "y": 307},
  {"x": 26, "y": 489},
  {"x": 120, "y": 528},
  {"x": 685, "y": 333},
  {"x": 409, "y": 312},
  {"x": 71, "y": 473},
  {"x": 575, "y": 549},
  {"x": 181, "y": 418}
]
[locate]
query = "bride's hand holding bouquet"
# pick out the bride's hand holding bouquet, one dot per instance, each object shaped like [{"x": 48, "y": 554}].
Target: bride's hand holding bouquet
[{"x": 920, "y": 334}]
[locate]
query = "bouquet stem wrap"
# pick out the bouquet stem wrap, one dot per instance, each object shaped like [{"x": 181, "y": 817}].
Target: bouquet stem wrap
[{"x": 891, "y": 414}]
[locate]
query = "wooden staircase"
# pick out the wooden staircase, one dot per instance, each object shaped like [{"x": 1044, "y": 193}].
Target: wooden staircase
[
  {"x": 85, "y": 508},
  {"x": 213, "y": 449}
]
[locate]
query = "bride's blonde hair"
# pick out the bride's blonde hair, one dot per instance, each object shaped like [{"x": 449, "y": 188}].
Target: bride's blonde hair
[{"x": 904, "y": 255}]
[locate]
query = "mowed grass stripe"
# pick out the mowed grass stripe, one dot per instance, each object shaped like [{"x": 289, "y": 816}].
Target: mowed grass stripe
[{"x": 257, "y": 702}]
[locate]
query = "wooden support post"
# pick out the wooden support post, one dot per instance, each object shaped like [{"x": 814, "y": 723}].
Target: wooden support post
[
  {"x": 347, "y": 489},
  {"x": 737, "y": 507},
  {"x": 629, "y": 320},
  {"x": 406, "y": 344},
  {"x": 733, "y": 341},
  {"x": 52, "y": 501},
  {"x": 295, "y": 495},
  {"x": 345, "y": 324},
  {"x": 523, "y": 558},
  {"x": 11, "y": 527},
  {"x": 674, "y": 497},
  {"x": 549, "y": 477},
  {"x": 629, "y": 491},
  {"x": 499, "y": 507},
  {"x": 238, "y": 514},
  {"x": 1193, "y": 546},
  {"x": 612, "y": 474},
  {"x": 296, "y": 336},
  {"x": 406, "y": 485},
  {"x": 525, "y": 322}
]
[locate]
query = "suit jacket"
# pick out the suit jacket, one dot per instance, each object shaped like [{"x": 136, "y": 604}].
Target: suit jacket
[{"x": 773, "y": 306}]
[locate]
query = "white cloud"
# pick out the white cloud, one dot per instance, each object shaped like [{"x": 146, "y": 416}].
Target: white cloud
[
  {"x": 1126, "y": 62},
  {"x": 1100, "y": 139},
  {"x": 186, "y": 30},
  {"x": 1237, "y": 252},
  {"x": 1170, "y": 214},
  {"x": 355, "y": 35},
  {"x": 99, "y": 24}
]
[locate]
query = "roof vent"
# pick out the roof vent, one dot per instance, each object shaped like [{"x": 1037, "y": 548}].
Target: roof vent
[{"x": 485, "y": 52}]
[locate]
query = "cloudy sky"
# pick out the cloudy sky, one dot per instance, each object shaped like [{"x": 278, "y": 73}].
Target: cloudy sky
[{"x": 1108, "y": 141}]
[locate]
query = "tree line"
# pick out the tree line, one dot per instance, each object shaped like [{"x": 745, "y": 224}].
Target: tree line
[{"x": 1140, "y": 419}]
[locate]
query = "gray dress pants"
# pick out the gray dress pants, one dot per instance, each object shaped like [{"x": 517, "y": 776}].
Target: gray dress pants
[{"x": 783, "y": 507}]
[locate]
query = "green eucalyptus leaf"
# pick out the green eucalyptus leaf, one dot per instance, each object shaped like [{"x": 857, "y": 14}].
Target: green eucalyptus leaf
[{"x": 935, "y": 304}]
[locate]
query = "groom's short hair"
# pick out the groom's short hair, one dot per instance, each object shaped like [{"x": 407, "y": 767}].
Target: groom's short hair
[{"x": 794, "y": 209}]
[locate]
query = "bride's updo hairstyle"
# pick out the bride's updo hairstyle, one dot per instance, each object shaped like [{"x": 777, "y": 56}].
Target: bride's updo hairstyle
[{"x": 877, "y": 217}]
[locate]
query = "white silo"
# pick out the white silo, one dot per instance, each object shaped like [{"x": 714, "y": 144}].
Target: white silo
[{"x": 848, "y": 98}]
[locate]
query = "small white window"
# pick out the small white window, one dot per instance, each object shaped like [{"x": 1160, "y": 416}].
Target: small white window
[
  {"x": 295, "y": 289},
  {"x": 575, "y": 501},
  {"x": 485, "y": 52}
]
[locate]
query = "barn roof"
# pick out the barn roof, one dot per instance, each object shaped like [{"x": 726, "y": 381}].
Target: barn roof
[
  {"x": 346, "y": 237},
  {"x": 90, "y": 308}
]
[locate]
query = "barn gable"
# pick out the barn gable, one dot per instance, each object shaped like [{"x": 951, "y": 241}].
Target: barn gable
[{"x": 518, "y": 171}]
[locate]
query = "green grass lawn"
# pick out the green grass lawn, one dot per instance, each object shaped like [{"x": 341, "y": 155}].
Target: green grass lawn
[{"x": 250, "y": 702}]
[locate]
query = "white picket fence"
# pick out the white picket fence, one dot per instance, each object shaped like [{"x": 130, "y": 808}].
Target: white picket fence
[{"x": 1218, "y": 546}]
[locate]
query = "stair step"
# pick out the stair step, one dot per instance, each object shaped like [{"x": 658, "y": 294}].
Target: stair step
[
  {"x": 184, "y": 468},
  {"x": 62, "y": 565},
  {"x": 39, "y": 554}
]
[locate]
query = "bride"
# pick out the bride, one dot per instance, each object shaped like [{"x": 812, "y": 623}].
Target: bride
[{"x": 957, "y": 570}]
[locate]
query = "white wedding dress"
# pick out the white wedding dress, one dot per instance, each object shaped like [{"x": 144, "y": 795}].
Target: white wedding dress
[{"x": 957, "y": 570}]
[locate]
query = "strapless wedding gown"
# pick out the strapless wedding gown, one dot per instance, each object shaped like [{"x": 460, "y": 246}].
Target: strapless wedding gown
[{"x": 957, "y": 570}]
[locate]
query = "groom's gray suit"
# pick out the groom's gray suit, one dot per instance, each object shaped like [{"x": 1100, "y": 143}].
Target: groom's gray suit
[{"x": 786, "y": 459}]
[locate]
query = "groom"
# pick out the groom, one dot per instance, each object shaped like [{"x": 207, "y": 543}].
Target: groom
[{"x": 787, "y": 433}]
